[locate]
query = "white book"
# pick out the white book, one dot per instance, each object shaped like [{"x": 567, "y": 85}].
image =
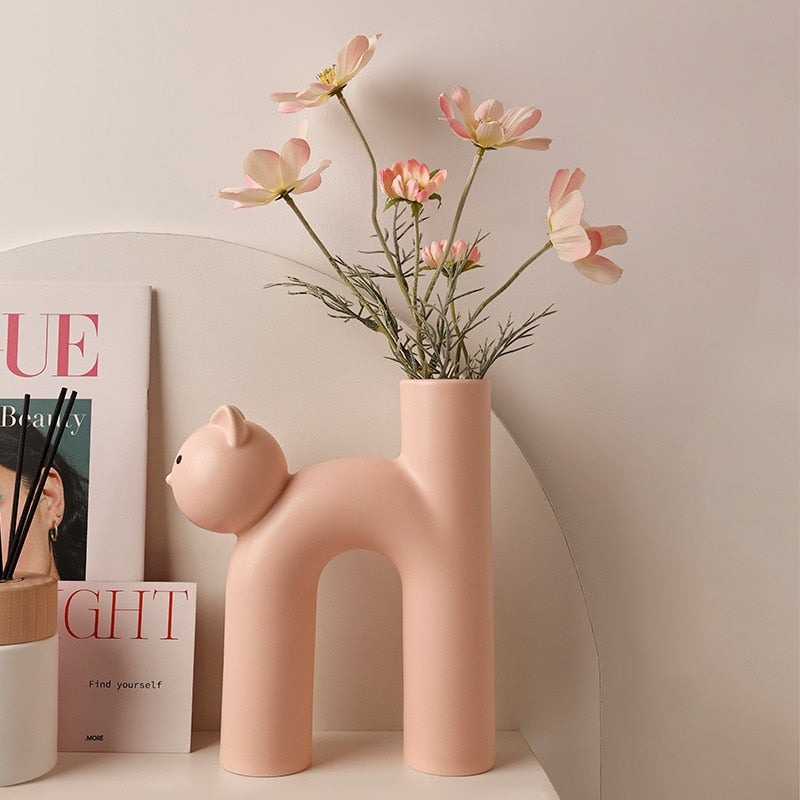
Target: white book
[
  {"x": 126, "y": 656},
  {"x": 94, "y": 339}
]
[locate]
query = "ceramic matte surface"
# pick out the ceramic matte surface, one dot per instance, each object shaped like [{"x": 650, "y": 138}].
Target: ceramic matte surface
[
  {"x": 29, "y": 700},
  {"x": 428, "y": 511},
  {"x": 28, "y": 677}
]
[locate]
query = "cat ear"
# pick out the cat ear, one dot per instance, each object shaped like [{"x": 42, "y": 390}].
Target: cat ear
[{"x": 233, "y": 423}]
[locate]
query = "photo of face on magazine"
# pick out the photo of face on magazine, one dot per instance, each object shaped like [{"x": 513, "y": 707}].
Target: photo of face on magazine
[{"x": 56, "y": 541}]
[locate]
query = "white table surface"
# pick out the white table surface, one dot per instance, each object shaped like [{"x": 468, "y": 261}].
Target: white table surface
[{"x": 351, "y": 765}]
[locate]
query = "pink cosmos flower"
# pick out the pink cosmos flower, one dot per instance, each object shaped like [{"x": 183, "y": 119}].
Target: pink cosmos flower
[
  {"x": 355, "y": 55},
  {"x": 270, "y": 175},
  {"x": 489, "y": 126},
  {"x": 574, "y": 240},
  {"x": 433, "y": 254},
  {"x": 410, "y": 180}
]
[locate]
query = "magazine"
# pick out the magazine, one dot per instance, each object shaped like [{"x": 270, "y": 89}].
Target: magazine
[
  {"x": 93, "y": 339},
  {"x": 126, "y": 656}
]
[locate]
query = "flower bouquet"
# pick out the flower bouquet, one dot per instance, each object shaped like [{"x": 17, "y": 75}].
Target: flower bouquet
[{"x": 441, "y": 319}]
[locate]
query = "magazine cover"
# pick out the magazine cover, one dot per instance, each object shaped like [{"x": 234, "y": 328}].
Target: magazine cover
[
  {"x": 93, "y": 339},
  {"x": 126, "y": 653}
]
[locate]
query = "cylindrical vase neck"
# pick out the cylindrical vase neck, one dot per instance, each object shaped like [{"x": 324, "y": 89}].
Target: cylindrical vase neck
[{"x": 445, "y": 427}]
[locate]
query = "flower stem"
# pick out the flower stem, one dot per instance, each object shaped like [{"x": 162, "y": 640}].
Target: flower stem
[
  {"x": 401, "y": 281},
  {"x": 522, "y": 267},
  {"x": 332, "y": 261},
  {"x": 374, "y": 210},
  {"x": 414, "y": 299},
  {"x": 415, "y": 284},
  {"x": 456, "y": 219},
  {"x": 395, "y": 237},
  {"x": 461, "y": 350}
]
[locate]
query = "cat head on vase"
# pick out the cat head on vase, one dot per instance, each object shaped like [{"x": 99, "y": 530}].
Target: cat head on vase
[{"x": 228, "y": 473}]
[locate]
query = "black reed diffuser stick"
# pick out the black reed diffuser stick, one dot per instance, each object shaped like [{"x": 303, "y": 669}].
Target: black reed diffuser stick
[
  {"x": 52, "y": 442},
  {"x": 19, "y": 532}
]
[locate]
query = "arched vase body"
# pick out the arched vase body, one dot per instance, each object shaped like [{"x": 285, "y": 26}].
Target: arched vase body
[{"x": 428, "y": 511}]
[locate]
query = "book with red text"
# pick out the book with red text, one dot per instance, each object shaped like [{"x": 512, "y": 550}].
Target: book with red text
[
  {"x": 126, "y": 656},
  {"x": 94, "y": 339}
]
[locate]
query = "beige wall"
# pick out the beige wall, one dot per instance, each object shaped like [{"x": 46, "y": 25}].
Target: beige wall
[{"x": 660, "y": 415}]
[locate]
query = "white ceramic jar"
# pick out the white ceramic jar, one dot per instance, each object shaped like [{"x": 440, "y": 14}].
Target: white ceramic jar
[{"x": 28, "y": 677}]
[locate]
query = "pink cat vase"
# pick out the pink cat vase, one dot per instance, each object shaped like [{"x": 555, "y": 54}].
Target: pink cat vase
[{"x": 428, "y": 511}]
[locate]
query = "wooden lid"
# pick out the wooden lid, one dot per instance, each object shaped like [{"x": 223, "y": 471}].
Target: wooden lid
[{"x": 28, "y": 608}]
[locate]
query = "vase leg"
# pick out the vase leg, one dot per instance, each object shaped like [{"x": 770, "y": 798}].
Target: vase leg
[
  {"x": 266, "y": 726},
  {"x": 448, "y": 645}
]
